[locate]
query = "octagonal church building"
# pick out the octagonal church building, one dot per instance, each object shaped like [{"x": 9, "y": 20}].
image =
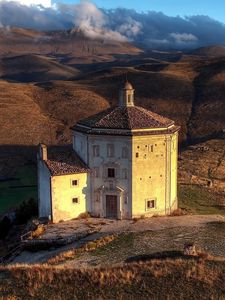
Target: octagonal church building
[{"x": 123, "y": 165}]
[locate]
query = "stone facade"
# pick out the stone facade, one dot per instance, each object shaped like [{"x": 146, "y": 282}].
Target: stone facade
[{"x": 130, "y": 156}]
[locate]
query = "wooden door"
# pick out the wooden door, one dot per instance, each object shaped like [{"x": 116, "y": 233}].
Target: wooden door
[{"x": 111, "y": 206}]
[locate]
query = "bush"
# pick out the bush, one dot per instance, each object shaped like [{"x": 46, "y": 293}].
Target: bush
[
  {"x": 178, "y": 212},
  {"x": 26, "y": 211},
  {"x": 5, "y": 225},
  {"x": 84, "y": 215}
]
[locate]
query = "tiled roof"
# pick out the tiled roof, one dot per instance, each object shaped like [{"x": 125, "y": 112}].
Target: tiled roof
[
  {"x": 65, "y": 163},
  {"x": 127, "y": 118}
]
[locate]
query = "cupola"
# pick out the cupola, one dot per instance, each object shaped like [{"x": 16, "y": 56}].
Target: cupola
[{"x": 126, "y": 96}]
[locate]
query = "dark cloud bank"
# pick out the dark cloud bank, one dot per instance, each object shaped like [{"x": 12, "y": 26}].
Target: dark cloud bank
[{"x": 151, "y": 29}]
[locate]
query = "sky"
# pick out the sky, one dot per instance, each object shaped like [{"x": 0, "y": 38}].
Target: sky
[{"x": 212, "y": 8}]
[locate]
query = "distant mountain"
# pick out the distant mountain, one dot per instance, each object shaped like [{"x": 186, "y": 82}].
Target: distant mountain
[
  {"x": 210, "y": 51},
  {"x": 71, "y": 43}
]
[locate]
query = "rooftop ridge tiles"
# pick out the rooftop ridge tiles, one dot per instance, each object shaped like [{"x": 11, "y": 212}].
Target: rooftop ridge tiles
[{"x": 122, "y": 117}]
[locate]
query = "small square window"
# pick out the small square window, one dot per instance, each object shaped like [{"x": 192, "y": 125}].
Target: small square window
[
  {"x": 150, "y": 204},
  {"x": 74, "y": 182},
  {"x": 75, "y": 200},
  {"x": 111, "y": 172}
]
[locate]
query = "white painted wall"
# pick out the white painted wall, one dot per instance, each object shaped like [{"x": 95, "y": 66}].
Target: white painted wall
[
  {"x": 63, "y": 192},
  {"x": 118, "y": 186},
  {"x": 80, "y": 145},
  {"x": 44, "y": 190}
]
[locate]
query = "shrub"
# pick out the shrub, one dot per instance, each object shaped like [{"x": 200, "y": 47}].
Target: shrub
[
  {"x": 38, "y": 231},
  {"x": 84, "y": 215},
  {"x": 178, "y": 212},
  {"x": 26, "y": 211}
]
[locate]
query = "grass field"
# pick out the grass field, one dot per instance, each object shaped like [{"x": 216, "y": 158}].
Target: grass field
[
  {"x": 154, "y": 279},
  {"x": 199, "y": 200},
  {"x": 21, "y": 188}
]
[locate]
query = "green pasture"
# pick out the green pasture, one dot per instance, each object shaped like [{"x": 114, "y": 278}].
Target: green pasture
[
  {"x": 199, "y": 200},
  {"x": 22, "y": 188}
]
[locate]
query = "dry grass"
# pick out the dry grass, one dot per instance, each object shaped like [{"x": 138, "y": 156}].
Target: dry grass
[
  {"x": 155, "y": 279},
  {"x": 38, "y": 231},
  {"x": 90, "y": 246},
  {"x": 84, "y": 215},
  {"x": 179, "y": 212},
  {"x": 57, "y": 105}
]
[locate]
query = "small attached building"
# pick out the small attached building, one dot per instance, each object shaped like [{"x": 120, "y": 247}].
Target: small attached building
[{"x": 63, "y": 185}]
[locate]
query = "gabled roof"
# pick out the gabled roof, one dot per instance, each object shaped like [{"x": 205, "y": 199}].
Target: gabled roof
[
  {"x": 126, "y": 117},
  {"x": 65, "y": 163}
]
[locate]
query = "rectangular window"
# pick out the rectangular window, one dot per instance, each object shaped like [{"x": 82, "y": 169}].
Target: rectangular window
[
  {"x": 96, "y": 150},
  {"x": 75, "y": 200},
  {"x": 150, "y": 204},
  {"x": 150, "y": 148},
  {"x": 137, "y": 154},
  {"x": 111, "y": 172},
  {"x": 124, "y": 152},
  {"x": 74, "y": 182},
  {"x": 110, "y": 150}
]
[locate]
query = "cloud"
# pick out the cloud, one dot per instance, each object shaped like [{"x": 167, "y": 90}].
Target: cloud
[
  {"x": 183, "y": 37},
  {"x": 44, "y": 3},
  {"x": 150, "y": 29},
  {"x": 92, "y": 21}
]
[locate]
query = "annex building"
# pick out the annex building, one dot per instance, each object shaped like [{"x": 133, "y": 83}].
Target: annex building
[{"x": 123, "y": 165}]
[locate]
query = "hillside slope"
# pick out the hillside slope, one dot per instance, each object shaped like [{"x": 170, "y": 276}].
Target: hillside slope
[
  {"x": 186, "y": 88},
  {"x": 33, "y": 113},
  {"x": 191, "y": 93},
  {"x": 30, "y": 68}
]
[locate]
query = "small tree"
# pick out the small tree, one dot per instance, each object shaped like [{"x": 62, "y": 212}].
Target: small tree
[{"x": 26, "y": 211}]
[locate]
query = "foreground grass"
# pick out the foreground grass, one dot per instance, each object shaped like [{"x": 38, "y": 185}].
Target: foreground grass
[
  {"x": 155, "y": 279},
  {"x": 199, "y": 200},
  {"x": 13, "y": 193}
]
